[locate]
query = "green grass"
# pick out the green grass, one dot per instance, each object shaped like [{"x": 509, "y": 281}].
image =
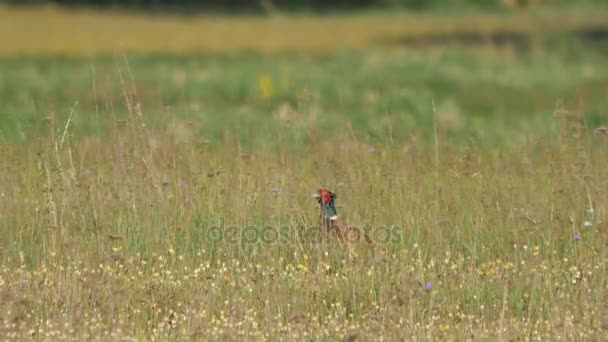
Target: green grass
[
  {"x": 115, "y": 236},
  {"x": 386, "y": 96},
  {"x": 117, "y": 172}
]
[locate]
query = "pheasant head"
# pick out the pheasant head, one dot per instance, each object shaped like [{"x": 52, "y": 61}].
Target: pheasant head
[{"x": 326, "y": 199}]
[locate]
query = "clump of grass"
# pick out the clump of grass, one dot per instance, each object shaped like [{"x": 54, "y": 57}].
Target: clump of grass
[{"x": 133, "y": 233}]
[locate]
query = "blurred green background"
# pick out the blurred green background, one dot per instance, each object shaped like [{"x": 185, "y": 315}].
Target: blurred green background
[{"x": 490, "y": 71}]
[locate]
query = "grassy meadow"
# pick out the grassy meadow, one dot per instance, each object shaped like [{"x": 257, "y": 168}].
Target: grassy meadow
[{"x": 155, "y": 180}]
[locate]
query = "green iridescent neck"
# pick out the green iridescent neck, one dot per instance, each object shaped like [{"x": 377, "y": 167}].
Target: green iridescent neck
[{"x": 329, "y": 210}]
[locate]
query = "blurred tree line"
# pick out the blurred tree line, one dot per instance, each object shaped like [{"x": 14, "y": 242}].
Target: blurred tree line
[{"x": 261, "y": 5}]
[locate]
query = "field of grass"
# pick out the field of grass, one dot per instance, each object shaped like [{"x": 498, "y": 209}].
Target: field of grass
[{"x": 161, "y": 192}]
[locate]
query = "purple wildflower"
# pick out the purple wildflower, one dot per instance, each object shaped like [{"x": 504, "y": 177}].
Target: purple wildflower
[
  {"x": 576, "y": 237},
  {"x": 428, "y": 286},
  {"x": 371, "y": 149},
  {"x": 276, "y": 189}
]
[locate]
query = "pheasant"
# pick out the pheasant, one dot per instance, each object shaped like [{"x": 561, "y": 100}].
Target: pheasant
[{"x": 329, "y": 217}]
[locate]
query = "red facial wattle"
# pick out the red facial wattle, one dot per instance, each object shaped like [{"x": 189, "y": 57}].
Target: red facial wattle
[{"x": 325, "y": 195}]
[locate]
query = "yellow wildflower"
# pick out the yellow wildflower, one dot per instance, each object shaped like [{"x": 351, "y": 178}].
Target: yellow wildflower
[{"x": 265, "y": 85}]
